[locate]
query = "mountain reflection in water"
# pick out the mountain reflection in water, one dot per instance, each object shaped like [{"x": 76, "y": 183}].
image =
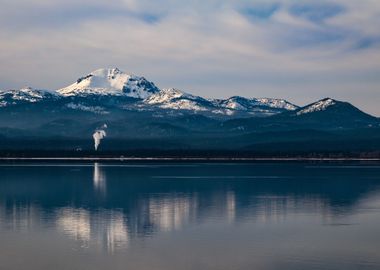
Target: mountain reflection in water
[{"x": 112, "y": 206}]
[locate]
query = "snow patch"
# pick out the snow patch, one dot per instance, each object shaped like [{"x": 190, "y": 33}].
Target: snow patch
[{"x": 93, "y": 109}]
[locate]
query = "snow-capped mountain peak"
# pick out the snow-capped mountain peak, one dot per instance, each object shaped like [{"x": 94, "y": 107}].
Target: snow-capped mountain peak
[
  {"x": 320, "y": 105},
  {"x": 111, "y": 81}
]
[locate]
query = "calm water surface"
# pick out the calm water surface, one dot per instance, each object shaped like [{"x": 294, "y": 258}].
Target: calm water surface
[{"x": 189, "y": 216}]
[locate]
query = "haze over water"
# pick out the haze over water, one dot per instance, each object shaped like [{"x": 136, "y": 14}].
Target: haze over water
[{"x": 190, "y": 216}]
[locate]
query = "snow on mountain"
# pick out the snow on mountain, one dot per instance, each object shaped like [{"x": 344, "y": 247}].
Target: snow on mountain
[
  {"x": 165, "y": 96},
  {"x": 27, "y": 94},
  {"x": 256, "y": 105},
  {"x": 111, "y": 82},
  {"x": 320, "y": 105},
  {"x": 177, "y": 100},
  {"x": 93, "y": 109},
  {"x": 276, "y": 103}
]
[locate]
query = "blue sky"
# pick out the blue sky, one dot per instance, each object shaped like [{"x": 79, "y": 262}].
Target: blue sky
[{"x": 301, "y": 50}]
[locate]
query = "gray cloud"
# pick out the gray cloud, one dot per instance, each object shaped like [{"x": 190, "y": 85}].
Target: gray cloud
[{"x": 300, "y": 50}]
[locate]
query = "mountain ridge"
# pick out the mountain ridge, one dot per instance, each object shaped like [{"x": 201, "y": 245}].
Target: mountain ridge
[{"x": 112, "y": 82}]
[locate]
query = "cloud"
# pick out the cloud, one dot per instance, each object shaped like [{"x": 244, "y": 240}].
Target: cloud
[
  {"x": 259, "y": 11},
  {"x": 367, "y": 42},
  {"x": 294, "y": 49},
  {"x": 63, "y": 14},
  {"x": 315, "y": 11}
]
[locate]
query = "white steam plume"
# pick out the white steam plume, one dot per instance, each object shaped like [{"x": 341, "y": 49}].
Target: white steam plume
[{"x": 98, "y": 136}]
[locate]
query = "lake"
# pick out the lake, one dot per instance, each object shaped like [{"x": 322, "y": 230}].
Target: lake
[{"x": 285, "y": 215}]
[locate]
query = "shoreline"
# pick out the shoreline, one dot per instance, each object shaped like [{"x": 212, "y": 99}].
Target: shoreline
[{"x": 191, "y": 159}]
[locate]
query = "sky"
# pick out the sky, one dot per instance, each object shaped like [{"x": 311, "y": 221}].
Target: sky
[{"x": 300, "y": 50}]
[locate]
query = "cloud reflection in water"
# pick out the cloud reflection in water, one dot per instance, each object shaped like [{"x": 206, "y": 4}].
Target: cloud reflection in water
[{"x": 134, "y": 204}]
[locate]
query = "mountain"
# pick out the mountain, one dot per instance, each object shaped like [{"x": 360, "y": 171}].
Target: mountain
[
  {"x": 333, "y": 114},
  {"x": 139, "y": 115},
  {"x": 329, "y": 107}
]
